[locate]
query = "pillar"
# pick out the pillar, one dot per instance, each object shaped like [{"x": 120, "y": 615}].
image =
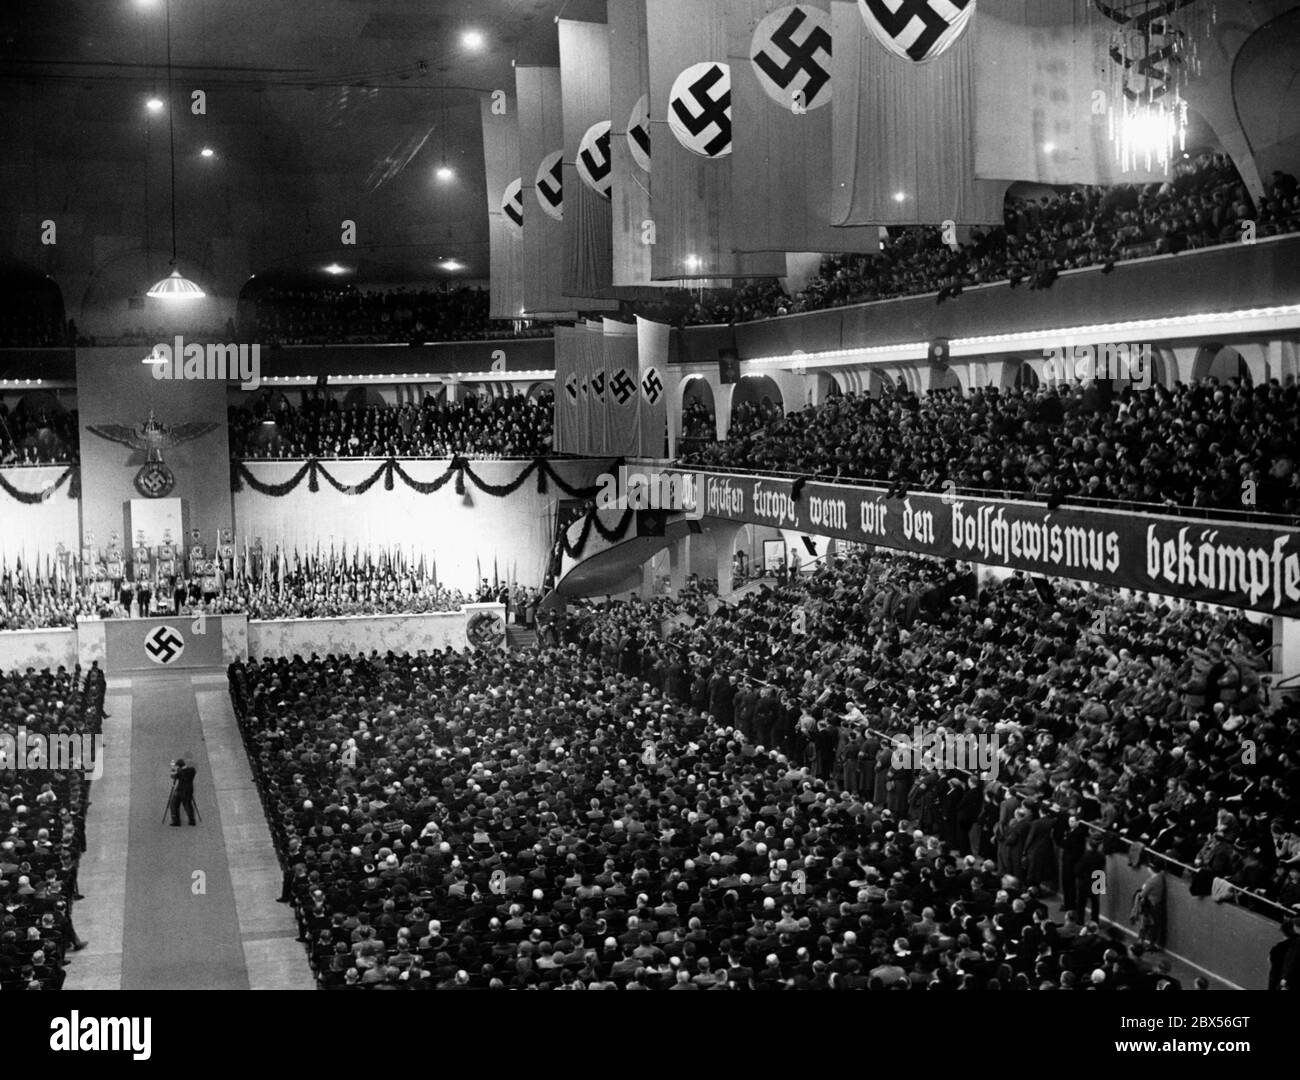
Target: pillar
[{"x": 679, "y": 564}]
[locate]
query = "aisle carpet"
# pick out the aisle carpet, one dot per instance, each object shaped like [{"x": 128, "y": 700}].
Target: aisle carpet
[{"x": 181, "y": 928}]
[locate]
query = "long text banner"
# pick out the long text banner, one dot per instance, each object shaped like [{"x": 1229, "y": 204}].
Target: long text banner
[{"x": 1237, "y": 565}]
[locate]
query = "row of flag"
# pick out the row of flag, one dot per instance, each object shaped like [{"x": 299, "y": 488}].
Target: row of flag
[
  {"x": 611, "y": 388},
  {"x": 706, "y": 139}
]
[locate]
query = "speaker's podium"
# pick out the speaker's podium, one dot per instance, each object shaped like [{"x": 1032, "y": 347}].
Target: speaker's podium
[{"x": 160, "y": 643}]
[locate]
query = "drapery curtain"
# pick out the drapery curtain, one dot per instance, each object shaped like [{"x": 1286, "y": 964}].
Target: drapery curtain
[{"x": 902, "y": 145}]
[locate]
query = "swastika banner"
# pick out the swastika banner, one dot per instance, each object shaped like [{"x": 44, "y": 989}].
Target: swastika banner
[
  {"x": 500, "y": 120},
  {"x": 652, "y": 340},
  {"x": 588, "y": 160},
  {"x": 693, "y": 138},
  {"x": 781, "y": 93},
  {"x": 568, "y": 394},
  {"x": 630, "y": 146},
  {"x": 902, "y": 152},
  {"x": 545, "y": 195},
  {"x": 622, "y": 390}
]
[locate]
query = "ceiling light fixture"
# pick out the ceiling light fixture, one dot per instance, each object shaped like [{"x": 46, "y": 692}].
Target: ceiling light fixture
[
  {"x": 173, "y": 287},
  {"x": 207, "y": 151},
  {"x": 445, "y": 173},
  {"x": 154, "y": 104},
  {"x": 472, "y": 39}
]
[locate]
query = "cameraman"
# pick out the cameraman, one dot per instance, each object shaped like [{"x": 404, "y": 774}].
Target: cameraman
[{"x": 182, "y": 790}]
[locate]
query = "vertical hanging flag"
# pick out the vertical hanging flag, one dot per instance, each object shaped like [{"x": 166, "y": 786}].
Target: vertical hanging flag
[
  {"x": 568, "y": 392},
  {"x": 781, "y": 90},
  {"x": 541, "y": 161},
  {"x": 541, "y": 139},
  {"x": 505, "y": 210},
  {"x": 591, "y": 347},
  {"x": 1041, "y": 104},
  {"x": 900, "y": 134},
  {"x": 584, "y": 76},
  {"x": 622, "y": 392},
  {"x": 652, "y": 354},
  {"x": 692, "y": 137},
  {"x": 629, "y": 140}
]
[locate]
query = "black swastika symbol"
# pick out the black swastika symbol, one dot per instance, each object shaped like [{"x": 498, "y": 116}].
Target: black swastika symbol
[
  {"x": 716, "y": 111},
  {"x": 641, "y": 134},
  {"x": 652, "y": 385},
  {"x": 551, "y": 185},
  {"x": 598, "y": 385},
  {"x": 571, "y": 387},
  {"x": 598, "y": 170},
  {"x": 163, "y": 644},
  {"x": 513, "y": 205},
  {"x": 798, "y": 57},
  {"x": 622, "y": 386},
  {"x": 895, "y": 21}
]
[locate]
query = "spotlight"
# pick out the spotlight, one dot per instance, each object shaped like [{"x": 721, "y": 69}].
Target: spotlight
[
  {"x": 693, "y": 262},
  {"x": 207, "y": 151},
  {"x": 1049, "y": 147},
  {"x": 445, "y": 173},
  {"x": 335, "y": 268},
  {"x": 451, "y": 264},
  {"x": 154, "y": 104},
  {"x": 900, "y": 196},
  {"x": 472, "y": 39}
]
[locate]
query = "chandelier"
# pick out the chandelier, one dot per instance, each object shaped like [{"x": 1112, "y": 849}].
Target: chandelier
[{"x": 1154, "y": 54}]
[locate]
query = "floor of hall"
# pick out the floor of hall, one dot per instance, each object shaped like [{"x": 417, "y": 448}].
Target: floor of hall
[{"x": 188, "y": 908}]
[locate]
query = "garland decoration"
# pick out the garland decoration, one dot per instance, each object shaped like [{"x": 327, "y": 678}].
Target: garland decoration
[
  {"x": 391, "y": 469},
  {"x": 71, "y": 476}
]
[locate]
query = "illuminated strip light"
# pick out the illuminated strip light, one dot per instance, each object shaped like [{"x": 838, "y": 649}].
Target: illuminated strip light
[
  {"x": 497, "y": 376},
  {"x": 1068, "y": 333}
]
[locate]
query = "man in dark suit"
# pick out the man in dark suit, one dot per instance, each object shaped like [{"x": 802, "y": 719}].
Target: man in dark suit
[{"x": 182, "y": 790}]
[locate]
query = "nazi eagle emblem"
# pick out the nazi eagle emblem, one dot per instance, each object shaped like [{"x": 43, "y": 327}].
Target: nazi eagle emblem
[{"x": 154, "y": 480}]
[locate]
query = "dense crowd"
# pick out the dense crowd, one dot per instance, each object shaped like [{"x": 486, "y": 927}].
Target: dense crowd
[
  {"x": 42, "y": 822},
  {"x": 1203, "y": 204},
  {"x": 37, "y": 437},
  {"x": 348, "y": 316},
  {"x": 506, "y": 427},
  {"x": 1208, "y": 444},
  {"x": 720, "y": 809}
]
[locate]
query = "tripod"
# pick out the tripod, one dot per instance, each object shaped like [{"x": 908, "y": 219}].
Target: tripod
[{"x": 167, "y": 809}]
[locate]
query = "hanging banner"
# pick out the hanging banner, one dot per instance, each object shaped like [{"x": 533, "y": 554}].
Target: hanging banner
[
  {"x": 500, "y": 119},
  {"x": 1242, "y": 566},
  {"x": 1043, "y": 108},
  {"x": 917, "y": 30},
  {"x": 901, "y": 143},
  {"x": 781, "y": 90},
  {"x": 629, "y": 140},
  {"x": 541, "y": 161},
  {"x": 591, "y": 349},
  {"x": 568, "y": 395},
  {"x": 622, "y": 392},
  {"x": 584, "y": 77},
  {"x": 692, "y": 137},
  {"x": 652, "y": 356}
]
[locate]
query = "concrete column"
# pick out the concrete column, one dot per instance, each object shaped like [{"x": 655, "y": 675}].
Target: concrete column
[
  {"x": 722, "y": 408},
  {"x": 724, "y": 539},
  {"x": 679, "y": 564},
  {"x": 1286, "y": 635},
  {"x": 455, "y": 392}
]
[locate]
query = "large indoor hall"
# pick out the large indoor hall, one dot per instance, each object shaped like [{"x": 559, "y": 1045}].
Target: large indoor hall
[{"x": 672, "y": 495}]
